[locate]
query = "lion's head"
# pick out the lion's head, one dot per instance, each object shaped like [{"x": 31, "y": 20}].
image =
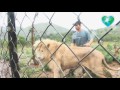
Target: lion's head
[{"x": 44, "y": 49}]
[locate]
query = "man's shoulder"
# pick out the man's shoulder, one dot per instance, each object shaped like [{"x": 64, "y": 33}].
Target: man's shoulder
[{"x": 86, "y": 31}]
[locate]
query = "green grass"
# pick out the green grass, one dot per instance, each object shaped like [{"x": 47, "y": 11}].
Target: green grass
[{"x": 27, "y": 71}]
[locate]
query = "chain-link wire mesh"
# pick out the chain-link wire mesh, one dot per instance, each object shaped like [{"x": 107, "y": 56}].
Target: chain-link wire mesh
[{"x": 19, "y": 32}]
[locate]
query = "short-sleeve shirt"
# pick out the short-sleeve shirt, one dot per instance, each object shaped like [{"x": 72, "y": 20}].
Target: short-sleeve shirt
[{"x": 81, "y": 38}]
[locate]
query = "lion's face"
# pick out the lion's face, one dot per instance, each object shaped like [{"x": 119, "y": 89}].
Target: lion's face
[
  {"x": 41, "y": 51},
  {"x": 39, "y": 54}
]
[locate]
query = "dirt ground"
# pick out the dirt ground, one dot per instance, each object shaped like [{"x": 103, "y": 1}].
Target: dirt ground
[
  {"x": 115, "y": 74},
  {"x": 5, "y": 71}
]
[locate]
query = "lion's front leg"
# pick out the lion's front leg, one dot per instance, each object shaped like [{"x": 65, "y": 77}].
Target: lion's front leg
[
  {"x": 56, "y": 70},
  {"x": 55, "y": 67},
  {"x": 56, "y": 73}
]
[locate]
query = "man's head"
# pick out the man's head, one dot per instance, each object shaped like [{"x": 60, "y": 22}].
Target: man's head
[{"x": 77, "y": 25}]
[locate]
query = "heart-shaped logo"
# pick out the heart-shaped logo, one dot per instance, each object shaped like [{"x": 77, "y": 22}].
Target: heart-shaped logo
[{"x": 107, "y": 20}]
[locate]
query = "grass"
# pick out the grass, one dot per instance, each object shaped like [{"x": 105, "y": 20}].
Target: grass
[{"x": 27, "y": 71}]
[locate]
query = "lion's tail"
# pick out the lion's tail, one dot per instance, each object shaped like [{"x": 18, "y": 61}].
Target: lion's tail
[{"x": 104, "y": 61}]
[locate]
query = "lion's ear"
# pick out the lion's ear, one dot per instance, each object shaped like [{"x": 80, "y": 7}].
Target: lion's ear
[{"x": 48, "y": 45}]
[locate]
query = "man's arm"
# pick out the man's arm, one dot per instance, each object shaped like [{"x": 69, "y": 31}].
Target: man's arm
[
  {"x": 73, "y": 38},
  {"x": 73, "y": 41},
  {"x": 89, "y": 43}
]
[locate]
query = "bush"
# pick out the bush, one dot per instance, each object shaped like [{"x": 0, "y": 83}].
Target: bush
[
  {"x": 21, "y": 40},
  {"x": 109, "y": 47},
  {"x": 46, "y": 68},
  {"x": 5, "y": 56},
  {"x": 59, "y": 38},
  {"x": 109, "y": 58}
]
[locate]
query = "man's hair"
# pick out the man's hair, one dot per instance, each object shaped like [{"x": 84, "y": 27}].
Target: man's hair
[{"x": 77, "y": 23}]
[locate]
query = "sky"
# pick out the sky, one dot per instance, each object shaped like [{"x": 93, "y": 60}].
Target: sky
[{"x": 93, "y": 20}]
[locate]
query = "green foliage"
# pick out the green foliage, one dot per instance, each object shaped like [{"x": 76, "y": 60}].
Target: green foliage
[
  {"x": 118, "y": 58},
  {"x": 108, "y": 58},
  {"x": 22, "y": 40},
  {"x": 109, "y": 47},
  {"x": 5, "y": 56},
  {"x": 111, "y": 36},
  {"x": 27, "y": 71},
  {"x": 46, "y": 68},
  {"x": 59, "y": 38},
  {"x": 4, "y": 53},
  {"x": 37, "y": 37},
  {"x": 3, "y": 43}
]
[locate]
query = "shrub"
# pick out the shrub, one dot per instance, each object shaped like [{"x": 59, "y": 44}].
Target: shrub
[
  {"x": 5, "y": 56},
  {"x": 21, "y": 40}
]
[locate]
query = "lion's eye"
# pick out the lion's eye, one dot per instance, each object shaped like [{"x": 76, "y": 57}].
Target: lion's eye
[{"x": 41, "y": 50}]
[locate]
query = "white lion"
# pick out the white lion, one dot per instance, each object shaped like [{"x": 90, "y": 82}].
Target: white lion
[{"x": 64, "y": 59}]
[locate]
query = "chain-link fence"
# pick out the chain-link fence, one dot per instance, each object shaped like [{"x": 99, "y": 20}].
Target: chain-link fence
[{"x": 19, "y": 58}]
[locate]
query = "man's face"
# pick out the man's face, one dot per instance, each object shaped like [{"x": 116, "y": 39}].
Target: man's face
[{"x": 78, "y": 27}]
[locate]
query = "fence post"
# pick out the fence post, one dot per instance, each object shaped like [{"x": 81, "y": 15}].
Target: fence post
[
  {"x": 32, "y": 41},
  {"x": 12, "y": 43}
]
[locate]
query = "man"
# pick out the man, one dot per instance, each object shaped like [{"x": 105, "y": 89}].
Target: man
[{"x": 81, "y": 37}]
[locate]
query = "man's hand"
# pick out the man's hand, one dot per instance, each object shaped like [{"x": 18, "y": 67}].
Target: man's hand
[{"x": 87, "y": 45}]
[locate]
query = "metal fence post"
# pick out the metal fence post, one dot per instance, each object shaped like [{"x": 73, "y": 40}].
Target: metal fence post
[{"x": 12, "y": 43}]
